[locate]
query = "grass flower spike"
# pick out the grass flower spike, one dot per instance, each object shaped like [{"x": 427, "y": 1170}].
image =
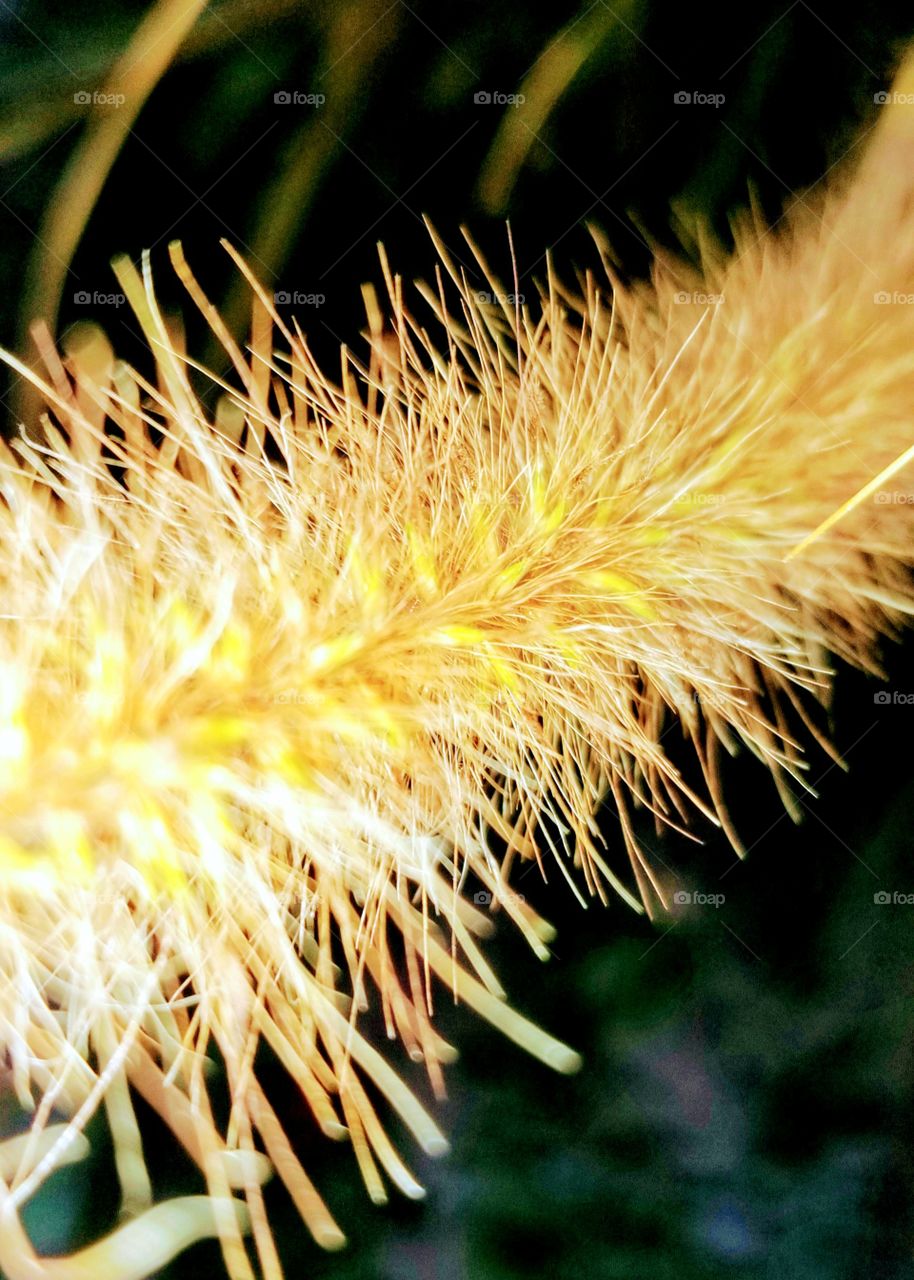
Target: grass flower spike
[{"x": 291, "y": 665}]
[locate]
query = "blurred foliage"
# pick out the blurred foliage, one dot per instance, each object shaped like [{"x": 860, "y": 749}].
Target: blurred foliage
[
  {"x": 743, "y": 1110},
  {"x": 199, "y": 148}
]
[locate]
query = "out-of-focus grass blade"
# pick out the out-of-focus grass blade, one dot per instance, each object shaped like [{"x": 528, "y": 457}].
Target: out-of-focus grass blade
[{"x": 543, "y": 87}]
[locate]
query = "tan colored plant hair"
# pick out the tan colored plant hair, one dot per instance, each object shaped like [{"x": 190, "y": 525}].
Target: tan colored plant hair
[{"x": 282, "y": 684}]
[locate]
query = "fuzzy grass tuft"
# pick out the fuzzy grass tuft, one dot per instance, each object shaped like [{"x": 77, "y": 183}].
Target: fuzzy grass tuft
[{"x": 277, "y": 680}]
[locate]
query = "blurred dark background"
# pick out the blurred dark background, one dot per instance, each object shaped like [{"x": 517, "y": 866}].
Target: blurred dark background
[{"x": 744, "y": 1107}]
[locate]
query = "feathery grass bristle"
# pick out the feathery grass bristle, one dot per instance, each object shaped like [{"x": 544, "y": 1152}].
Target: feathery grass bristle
[{"x": 290, "y": 667}]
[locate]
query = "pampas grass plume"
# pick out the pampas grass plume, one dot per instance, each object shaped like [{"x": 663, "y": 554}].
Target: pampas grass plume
[{"x": 286, "y": 683}]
